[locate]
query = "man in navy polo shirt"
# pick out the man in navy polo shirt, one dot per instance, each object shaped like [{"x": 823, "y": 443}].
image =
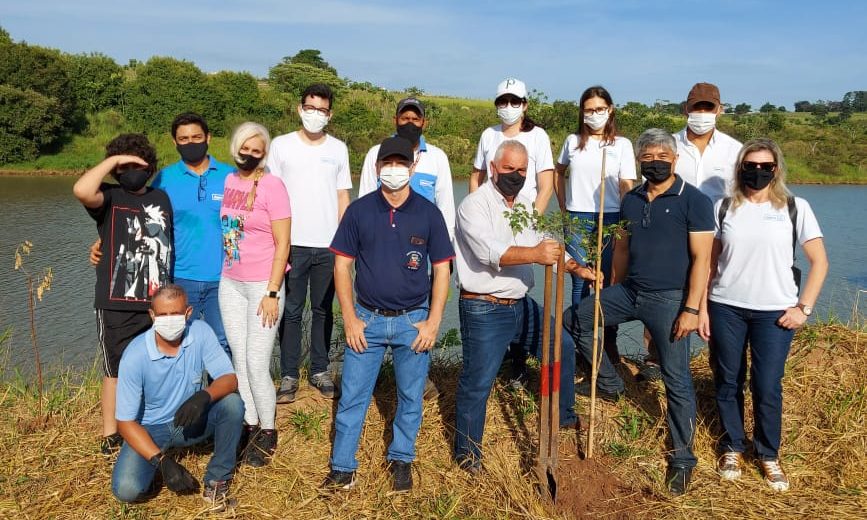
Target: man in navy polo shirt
[
  {"x": 390, "y": 235},
  {"x": 665, "y": 258}
]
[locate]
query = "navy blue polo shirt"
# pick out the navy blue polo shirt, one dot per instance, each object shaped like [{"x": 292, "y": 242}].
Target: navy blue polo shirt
[
  {"x": 659, "y": 234},
  {"x": 392, "y": 248}
]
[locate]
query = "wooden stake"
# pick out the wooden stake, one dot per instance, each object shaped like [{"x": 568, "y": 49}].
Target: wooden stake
[{"x": 594, "y": 369}]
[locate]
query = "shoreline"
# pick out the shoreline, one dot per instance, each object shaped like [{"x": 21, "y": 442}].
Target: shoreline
[{"x": 74, "y": 173}]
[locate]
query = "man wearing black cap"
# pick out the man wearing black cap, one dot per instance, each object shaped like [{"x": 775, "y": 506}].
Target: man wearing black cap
[
  {"x": 390, "y": 236},
  {"x": 431, "y": 174}
]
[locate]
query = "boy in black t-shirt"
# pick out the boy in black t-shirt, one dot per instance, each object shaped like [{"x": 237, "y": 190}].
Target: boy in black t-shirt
[{"x": 134, "y": 223}]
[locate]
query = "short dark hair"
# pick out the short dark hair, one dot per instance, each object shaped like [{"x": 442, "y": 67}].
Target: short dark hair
[
  {"x": 189, "y": 118},
  {"x": 170, "y": 291},
  {"x": 134, "y": 144},
  {"x": 320, "y": 90}
]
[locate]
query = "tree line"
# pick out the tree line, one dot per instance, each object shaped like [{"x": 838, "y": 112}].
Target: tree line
[{"x": 47, "y": 97}]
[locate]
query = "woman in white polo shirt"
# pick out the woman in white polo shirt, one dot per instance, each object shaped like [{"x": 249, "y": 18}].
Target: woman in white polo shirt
[
  {"x": 511, "y": 103},
  {"x": 579, "y": 191},
  {"x": 754, "y": 299}
]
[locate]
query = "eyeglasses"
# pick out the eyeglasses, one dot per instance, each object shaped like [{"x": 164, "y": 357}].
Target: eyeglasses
[
  {"x": 645, "y": 216},
  {"x": 309, "y": 109},
  {"x": 598, "y": 111},
  {"x": 766, "y": 166},
  {"x": 504, "y": 101},
  {"x": 203, "y": 185}
]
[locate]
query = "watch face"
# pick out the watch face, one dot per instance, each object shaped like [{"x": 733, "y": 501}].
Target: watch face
[{"x": 808, "y": 310}]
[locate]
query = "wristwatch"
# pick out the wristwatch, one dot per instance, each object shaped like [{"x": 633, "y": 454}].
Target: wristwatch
[
  {"x": 806, "y": 309},
  {"x": 272, "y": 294}
]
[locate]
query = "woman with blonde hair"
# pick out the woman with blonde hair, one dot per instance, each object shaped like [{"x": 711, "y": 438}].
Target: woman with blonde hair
[
  {"x": 755, "y": 298},
  {"x": 255, "y": 218}
]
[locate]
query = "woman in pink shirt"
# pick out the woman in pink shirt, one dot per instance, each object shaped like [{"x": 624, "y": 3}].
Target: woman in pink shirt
[{"x": 256, "y": 220}]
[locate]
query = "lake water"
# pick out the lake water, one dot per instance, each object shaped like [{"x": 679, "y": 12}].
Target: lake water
[{"x": 44, "y": 211}]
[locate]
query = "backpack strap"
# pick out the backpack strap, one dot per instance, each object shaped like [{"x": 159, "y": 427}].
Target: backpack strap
[
  {"x": 793, "y": 216},
  {"x": 723, "y": 209}
]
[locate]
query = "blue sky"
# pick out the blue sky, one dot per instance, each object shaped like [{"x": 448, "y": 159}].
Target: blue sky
[{"x": 641, "y": 50}]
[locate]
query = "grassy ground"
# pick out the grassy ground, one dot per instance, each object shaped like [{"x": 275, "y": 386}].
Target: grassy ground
[{"x": 52, "y": 468}]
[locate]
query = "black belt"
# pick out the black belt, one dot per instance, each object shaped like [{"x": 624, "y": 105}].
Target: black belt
[{"x": 387, "y": 312}]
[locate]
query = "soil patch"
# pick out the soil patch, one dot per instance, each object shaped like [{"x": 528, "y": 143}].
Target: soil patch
[{"x": 587, "y": 488}]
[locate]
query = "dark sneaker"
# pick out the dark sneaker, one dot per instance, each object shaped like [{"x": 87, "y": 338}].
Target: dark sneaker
[
  {"x": 260, "y": 448},
  {"x": 248, "y": 433},
  {"x": 518, "y": 383},
  {"x": 111, "y": 445},
  {"x": 474, "y": 468},
  {"x": 649, "y": 372},
  {"x": 431, "y": 391},
  {"x": 216, "y": 495},
  {"x": 677, "y": 480},
  {"x": 335, "y": 480},
  {"x": 287, "y": 391},
  {"x": 322, "y": 382},
  {"x": 401, "y": 475},
  {"x": 583, "y": 388}
]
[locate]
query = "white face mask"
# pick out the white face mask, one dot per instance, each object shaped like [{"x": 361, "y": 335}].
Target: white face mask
[
  {"x": 315, "y": 122},
  {"x": 701, "y": 122},
  {"x": 394, "y": 177},
  {"x": 510, "y": 115},
  {"x": 596, "y": 121},
  {"x": 170, "y": 327}
]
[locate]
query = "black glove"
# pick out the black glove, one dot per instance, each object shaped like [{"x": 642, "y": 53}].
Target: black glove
[
  {"x": 176, "y": 477},
  {"x": 191, "y": 409}
]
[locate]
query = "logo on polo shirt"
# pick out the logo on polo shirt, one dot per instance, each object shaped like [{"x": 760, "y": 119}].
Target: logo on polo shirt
[{"x": 413, "y": 260}]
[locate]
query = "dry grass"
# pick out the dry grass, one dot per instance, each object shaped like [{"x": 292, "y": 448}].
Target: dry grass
[{"x": 53, "y": 470}]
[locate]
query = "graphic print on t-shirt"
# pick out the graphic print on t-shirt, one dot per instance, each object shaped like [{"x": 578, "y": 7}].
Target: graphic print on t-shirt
[
  {"x": 233, "y": 225},
  {"x": 142, "y": 252}
]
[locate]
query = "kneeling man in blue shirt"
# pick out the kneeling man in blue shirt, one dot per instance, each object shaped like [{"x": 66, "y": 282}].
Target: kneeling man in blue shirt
[
  {"x": 391, "y": 235},
  {"x": 161, "y": 405}
]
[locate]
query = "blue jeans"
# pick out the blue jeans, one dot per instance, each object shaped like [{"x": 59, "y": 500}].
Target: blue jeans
[
  {"x": 731, "y": 329},
  {"x": 203, "y": 298},
  {"x": 359, "y": 377},
  {"x": 132, "y": 475},
  {"x": 313, "y": 265},
  {"x": 658, "y": 311},
  {"x": 487, "y": 329}
]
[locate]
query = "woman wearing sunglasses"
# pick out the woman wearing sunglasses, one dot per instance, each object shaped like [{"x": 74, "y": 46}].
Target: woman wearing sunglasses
[
  {"x": 511, "y": 103},
  {"x": 579, "y": 191},
  {"x": 755, "y": 298}
]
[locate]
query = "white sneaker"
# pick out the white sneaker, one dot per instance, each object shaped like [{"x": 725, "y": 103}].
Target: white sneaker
[
  {"x": 729, "y": 465},
  {"x": 774, "y": 476}
]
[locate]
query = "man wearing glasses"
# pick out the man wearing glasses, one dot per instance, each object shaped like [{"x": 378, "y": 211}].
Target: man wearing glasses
[
  {"x": 660, "y": 269},
  {"x": 314, "y": 166},
  {"x": 195, "y": 188}
]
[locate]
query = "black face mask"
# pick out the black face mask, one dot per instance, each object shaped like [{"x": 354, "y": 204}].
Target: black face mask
[
  {"x": 247, "y": 162},
  {"x": 656, "y": 171},
  {"x": 133, "y": 180},
  {"x": 410, "y": 132},
  {"x": 510, "y": 183},
  {"x": 756, "y": 178},
  {"x": 193, "y": 153}
]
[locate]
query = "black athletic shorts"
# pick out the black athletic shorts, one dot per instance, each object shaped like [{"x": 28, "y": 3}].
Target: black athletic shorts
[{"x": 114, "y": 330}]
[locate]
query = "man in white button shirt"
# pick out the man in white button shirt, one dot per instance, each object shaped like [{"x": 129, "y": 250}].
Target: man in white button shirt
[
  {"x": 495, "y": 271},
  {"x": 705, "y": 156}
]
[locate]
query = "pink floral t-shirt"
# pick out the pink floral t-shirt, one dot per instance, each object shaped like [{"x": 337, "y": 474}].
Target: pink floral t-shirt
[{"x": 248, "y": 242}]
